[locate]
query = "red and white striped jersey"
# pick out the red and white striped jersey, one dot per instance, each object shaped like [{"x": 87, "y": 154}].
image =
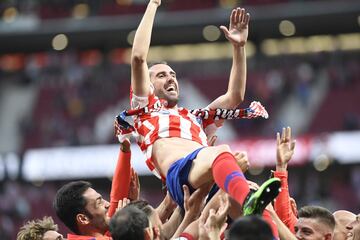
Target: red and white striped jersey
[{"x": 165, "y": 123}]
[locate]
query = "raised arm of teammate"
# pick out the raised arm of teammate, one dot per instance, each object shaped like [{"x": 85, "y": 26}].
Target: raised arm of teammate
[
  {"x": 121, "y": 180},
  {"x": 285, "y": 150},
  {"x": 140, "y": 79},
  {"x": 237, "y": 35}
]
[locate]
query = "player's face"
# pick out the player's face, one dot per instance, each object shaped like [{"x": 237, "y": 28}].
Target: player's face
[
  {"x": 354, "y": 229},
  {"x": 165, "y": 83},
  {"x": 52, "y": 235},
  {"x": 98, "y": 208},
  {"x": 310, "y": 229}
]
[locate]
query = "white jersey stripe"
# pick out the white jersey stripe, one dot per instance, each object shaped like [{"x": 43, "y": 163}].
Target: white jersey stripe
[
  {"x": 164, "y": 126},
  {"x": 185, "y": 126},
  {"x": 151, "y": 128}
]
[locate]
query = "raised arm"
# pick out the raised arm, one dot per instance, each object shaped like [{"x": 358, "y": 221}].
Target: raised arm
[
  {"x": 166, "y": 208},
  {"x": 284, "y": 152},
  {"x": 121, "y": 180},
  {"x": 212, "y": 226},
  {"x": 284, "y": 232},
  {"x": 193, "y": 206},
  {"x": 237, "y": 35},
  {"x": 140, "y": 80}
]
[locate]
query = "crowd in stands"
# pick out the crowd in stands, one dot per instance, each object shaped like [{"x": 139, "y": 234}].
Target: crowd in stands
[
  {"x": 206, "y": 194},
  {"x": 73, "y": 93},
  {"x": 344, "y": 79},
  {"x": 69, "y": 102},
  {"x": 55, "y": 9}
]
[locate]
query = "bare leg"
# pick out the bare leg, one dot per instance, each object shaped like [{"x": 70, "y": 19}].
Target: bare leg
[
  {"x": 219, "y": 164},
  {"x": 201, "y": 171}
]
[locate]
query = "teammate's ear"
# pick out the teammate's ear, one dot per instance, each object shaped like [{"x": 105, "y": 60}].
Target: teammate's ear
[
  {"x": 328, "y": 236},
  {"x": 82, "y": 219}
]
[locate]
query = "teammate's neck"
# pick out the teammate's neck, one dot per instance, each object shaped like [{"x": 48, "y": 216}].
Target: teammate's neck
[{"x": 91, "y": 232}]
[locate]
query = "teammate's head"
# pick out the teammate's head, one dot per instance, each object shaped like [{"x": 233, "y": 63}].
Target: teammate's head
[
  {"x": 81, "y": 208},
  {"x": 132, "y": 224},
  {"x": 166, "y": 86},
  {"x": 40, "y": 229},
  {"x": 314, "y": 223},
  {"x": 342, "y": 219},
  {"x": 250, "y": 228},
  {"x": 152, "y": 215},
  {"x": 354, "y": 229}
]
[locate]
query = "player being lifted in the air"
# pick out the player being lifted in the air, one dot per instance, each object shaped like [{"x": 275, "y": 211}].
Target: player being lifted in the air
[{"x": 173, "y": 140}]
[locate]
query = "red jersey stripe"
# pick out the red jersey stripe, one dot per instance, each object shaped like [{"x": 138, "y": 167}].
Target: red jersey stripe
[{"x": 174, "y": 126}]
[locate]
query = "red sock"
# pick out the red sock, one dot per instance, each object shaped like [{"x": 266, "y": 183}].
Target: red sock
[
  {"x": 267, "y": 217},
  {"x": 229, "y": 177}
]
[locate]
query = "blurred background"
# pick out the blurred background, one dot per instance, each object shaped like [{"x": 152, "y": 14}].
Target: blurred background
[{"x": 65, "y": 74}]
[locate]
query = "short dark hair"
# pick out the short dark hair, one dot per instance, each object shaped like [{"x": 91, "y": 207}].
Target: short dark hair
[
  {"x": 320, "y": 213},
  {"x": 156, "y": 63},
  {"x": 250, "y": 228},
  {"x": 150, "y": 65},
  {"x": 128, "y": 223},
  {"x": 69, "y": 202},
  {"x": 143, "y": 205}
]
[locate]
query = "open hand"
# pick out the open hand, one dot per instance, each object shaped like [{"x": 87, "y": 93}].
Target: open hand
[
  {"x": 285, "y": 148},
  {"x": 252, "y": 185},
  {"x": 194, "y": 203},
  {"x": 242, "y": 160},
  {"x": 238, "y": 30},
  {"x": 213, "y": 224},
  {"x": 134, "y": 188},
  {"x": 122, "y": 203}
]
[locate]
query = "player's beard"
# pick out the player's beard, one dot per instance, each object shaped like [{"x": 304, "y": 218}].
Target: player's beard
[{"x": 171, "y": 101}]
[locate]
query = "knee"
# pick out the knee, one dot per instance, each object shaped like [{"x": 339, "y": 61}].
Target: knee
[
  {"x": 221, "y": 154},
  {"x": 213, "y": 153},
  {"x": 219, "y": 150},
  {"x": 222, "y": 148}
]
